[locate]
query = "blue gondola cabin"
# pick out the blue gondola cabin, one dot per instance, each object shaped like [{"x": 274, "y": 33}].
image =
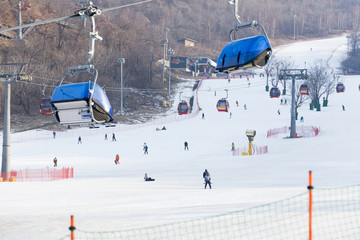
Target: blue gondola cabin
[
  {"x": 244, "y": 53},
  {"x": 81, "y": 104}
]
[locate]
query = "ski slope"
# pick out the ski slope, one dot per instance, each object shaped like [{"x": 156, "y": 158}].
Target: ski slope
[{"x": 103, "y": 196}]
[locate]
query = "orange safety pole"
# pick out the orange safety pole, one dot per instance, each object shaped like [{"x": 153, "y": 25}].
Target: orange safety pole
[
  {"x": 310, "y": 188},
  {"x": 72, "y": 228}
]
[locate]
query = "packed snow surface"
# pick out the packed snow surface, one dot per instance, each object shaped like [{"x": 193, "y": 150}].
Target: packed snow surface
[{"x": 103, "y": 196}]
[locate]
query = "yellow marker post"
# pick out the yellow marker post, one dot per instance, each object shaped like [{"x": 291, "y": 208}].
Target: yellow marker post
[{"x": 250, "y": 134}]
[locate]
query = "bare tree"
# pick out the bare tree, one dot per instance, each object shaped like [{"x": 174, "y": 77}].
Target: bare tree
[
  {"x": 279, "y": 64},
  {"x": 319, "y": 81}
]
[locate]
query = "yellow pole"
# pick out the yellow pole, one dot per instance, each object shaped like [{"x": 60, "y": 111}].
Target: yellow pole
[{"x": 250, "y": 148}]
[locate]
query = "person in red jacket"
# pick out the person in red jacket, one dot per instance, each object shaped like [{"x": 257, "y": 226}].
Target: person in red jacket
[{"x": 117, "y": 159}]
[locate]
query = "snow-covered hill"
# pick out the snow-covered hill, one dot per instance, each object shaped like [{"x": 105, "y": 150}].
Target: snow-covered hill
[{"x": 104, "y": 196}]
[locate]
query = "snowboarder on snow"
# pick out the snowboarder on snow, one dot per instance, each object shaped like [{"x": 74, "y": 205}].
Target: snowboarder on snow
[
  {"x": 146, "y": 178},
  {"x": 343, "y": 107},
  {"x": 79, "y": 140},
  {"x": 207, "y": 178}
]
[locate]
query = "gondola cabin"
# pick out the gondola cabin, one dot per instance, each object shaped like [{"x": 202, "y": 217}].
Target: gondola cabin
[
  {"x": 274, "y": 92},
  {"x": 183, "y": 108},
  {"x": 45, "y": 106},
  {"x": 244, "y": 53},
  {"x": 304, "y": 89},
  {"x": 81, "y": 104},
  {"x": 340, "y": 87},
  {"x": 222, "y": 105}
]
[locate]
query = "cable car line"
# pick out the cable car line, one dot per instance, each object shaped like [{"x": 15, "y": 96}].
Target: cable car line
[
  {"x": 244, "y": 53},
  {"x": 82, "y": 103}
]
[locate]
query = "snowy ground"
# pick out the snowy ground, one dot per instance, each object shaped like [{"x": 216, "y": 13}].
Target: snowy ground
[{"x": 104, "y": 196}]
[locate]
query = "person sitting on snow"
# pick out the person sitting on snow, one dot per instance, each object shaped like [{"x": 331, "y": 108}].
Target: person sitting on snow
[{"x": 146, "y": 178}]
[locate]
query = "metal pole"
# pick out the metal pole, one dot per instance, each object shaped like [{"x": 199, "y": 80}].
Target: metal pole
[
  {"x": 121, "y": 89},
  {"x": 294, "y": 26},
  {"x": 165, "y": 42},
  {"x": 169, "y": 73},
  {"x": 293, "y": 123},
  {"x": 5, "y": 167},
  {"x": 121, "y": 61},
  {"x": 19, "y": 20}
]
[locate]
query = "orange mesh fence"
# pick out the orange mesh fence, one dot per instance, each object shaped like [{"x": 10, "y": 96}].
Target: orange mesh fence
[{"x": 46, "y": 174}]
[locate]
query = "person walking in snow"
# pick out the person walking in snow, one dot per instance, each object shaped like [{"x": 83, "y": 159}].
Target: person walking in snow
[
  {"x": 245, "y": 106},
  {"x": 207, "y": 178},
  {"x": 145, "y": 148},
  {"x": 233, "y": 147},
  {"x": 54, "y": 134},
  {"x": 117, "y": 159},
  {"x": 237, "y": 103},
  {"x": 55, "y": 162},
  {"x": 79, "y": 140},
  {"x": 106, "y": 136},
  {"x": 343, "y": 107},
  {"x": 186, "y": 146},
  {"x": 202, "y": 116},
  {"x": 113, "y": 137}
]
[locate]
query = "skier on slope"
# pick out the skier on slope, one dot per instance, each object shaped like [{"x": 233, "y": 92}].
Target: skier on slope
[
  {"x": 117, "y": 159},
  {"x": 145, "y": 148},
  {"x": 207, "y": 178}
]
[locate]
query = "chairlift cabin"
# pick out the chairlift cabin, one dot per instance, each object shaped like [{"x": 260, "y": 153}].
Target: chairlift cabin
[
  {"x": 81, "y": 103},
  {"x": 340, "y": 87},
  {"x": 274, "y": 92},
  {"x": 183, "y": 108},
  {"x": 45, "y": 106},
  {"x": 304, "y": 89},
  {"x": 244, "y": 53},
  {"x": 222, "y": 105}
]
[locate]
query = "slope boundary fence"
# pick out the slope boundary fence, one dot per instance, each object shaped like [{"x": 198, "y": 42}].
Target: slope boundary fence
[
  {"x": 321, "y": 214},
  {"x": 258, "y": 150},
  {"x": 45, "y": 174},
  {"x": 301, "y": 131}
]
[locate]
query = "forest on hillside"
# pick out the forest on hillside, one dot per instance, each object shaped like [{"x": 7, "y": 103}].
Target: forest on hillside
[{"x": 135, "y": 33}]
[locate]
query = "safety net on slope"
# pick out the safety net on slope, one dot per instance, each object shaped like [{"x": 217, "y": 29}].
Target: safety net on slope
[{"x": 335, "y": 215}]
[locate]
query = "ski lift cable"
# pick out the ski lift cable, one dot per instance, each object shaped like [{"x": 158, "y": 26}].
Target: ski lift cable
[{"x": 83, "y": 13}]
